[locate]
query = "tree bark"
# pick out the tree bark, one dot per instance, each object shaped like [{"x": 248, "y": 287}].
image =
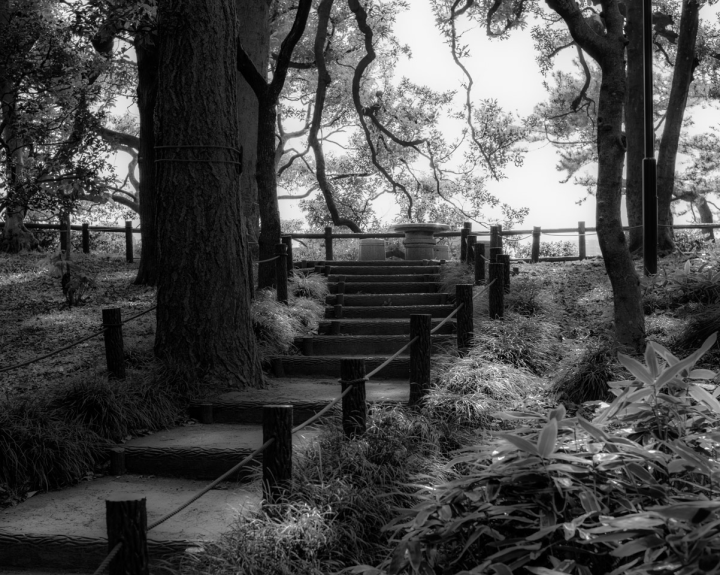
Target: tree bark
[
  {"x": 254, "y": 35},
  {"x": 147, "y": 65},
  {"x": 634, "y": 124},
  {"x": 203, "y": 304},
  {"x": 609, "y": 51},
  {"x": 706, "y": 217},
  {"x": 667, "y": 156}
]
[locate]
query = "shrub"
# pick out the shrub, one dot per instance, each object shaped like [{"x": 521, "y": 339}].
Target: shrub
[
  {"x": 311, "y": 285},
  {"x": 699, "y": 283},
  {"x": 528, "y": 298},
  {"x": 587, "y": 378},
  {"x": 630, "y": 492},
  {"x": 548, "y": 250},
  {"x": 453, "y": 273}
]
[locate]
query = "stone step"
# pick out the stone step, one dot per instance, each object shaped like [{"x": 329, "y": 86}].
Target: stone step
[
  {"x": 362, "y": 270},
  {"x": 307, "y": 396},
  {"x": 391, "y": 311},
  {"x": 375, "y": 326},
  {"x": 381, "y": 263},
  {"x": 353, "y": 287},
  {"x": 365, "y": 344},
  {"x": 381, "y": 299},
  {"x": 66, "y": 529},
  {"x": 329, "y": 366},
  {"x": 400, "y": 278},
  {"x": 200, "y": 451}
]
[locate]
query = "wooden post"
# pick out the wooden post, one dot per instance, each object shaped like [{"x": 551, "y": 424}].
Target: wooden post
[
  {"x": 128, "y": 242},
  {"x": 471, "y": 241},
  {"x": 328, "y": 244},
  {"x": 467, "y": 226},
  {"x": 504, "y": 259},
  {"x": 127, "y": 524},
  {"x": 354, "y": 410},
  {"x": 281, "y": 275},
  {"x": 420, "y": 353},
  {"x": 535, "y": 251},
  {"x": 65, "y": 234},
  {"x": 464, "y": 297},
  {"x": 307, "y": 345},
  {"x": 479, "y": 263},
  {"x": 581, "y": 240},
  {"x": 117, "y": 461},
  {"x": 341, "y": 285},
  {"x": 496, "y": 294},
  {"x": 86, "y": 238},
  {"x": 287, "y": 240},
  {"x": 114, "y": 352},
  {"x": 495, "y": 243},
  {"x": 277, "y": 458},
  {"x": 338, "y": 311}
]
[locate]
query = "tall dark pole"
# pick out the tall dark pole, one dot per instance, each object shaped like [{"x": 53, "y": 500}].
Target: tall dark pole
[{"x": 649, "y": 172}]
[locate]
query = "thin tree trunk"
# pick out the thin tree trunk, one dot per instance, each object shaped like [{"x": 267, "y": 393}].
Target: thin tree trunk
[
  {"x": 634, "y": 124},
  {"x": 254, "y": 35},
  {"x": 706, "y": 217},
  {"x": 147, "y": 64},
  {"x": 682, "y": 78},
  {"x": 628, "y": 311},
  {"x": 203, "y": 315}
]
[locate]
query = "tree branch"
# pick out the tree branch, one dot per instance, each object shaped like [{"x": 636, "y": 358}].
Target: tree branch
[{"x": 115, "y": 138}]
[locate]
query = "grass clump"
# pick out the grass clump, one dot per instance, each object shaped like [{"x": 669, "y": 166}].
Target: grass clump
[
  {"x": 699, "y": 328},
  {"x": 587, "y": 379},
  {"x": 276, "y": 325},
  {"x": 453, "y": 273},
  {"x": 524, "y": 343},
  {"x": 529, "y": 298},
  {"x": 311, "y": 285},
  {"x": 344, "y": 493}
]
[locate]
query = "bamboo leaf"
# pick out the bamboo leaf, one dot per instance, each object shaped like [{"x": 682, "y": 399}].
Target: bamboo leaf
[
  {"x": 636, "y": 368},
  {"x": 704, "y": 397},
  {"x": 664, "y": 353},
  {"x": 548, "y": 438},
  {"x": 638, "y": 545},
  {"x": 597, "y": 433},
  {"x": 520, "y": 443},
  {"x": 651, "y": 361},
  {"x": 501, "y": 569},
  {"x": 702, "y": 374}
]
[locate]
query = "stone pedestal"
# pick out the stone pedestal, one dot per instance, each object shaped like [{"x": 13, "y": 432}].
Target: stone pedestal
[{"x": 419, "y": 241}]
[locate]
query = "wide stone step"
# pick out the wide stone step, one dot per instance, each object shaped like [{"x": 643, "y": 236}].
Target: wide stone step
[
  {"x": 329, "y": 366},
  {"x": 394, "y": 311},
  {"x": 381, "y": 263},
  {"x": 401, "y": 278},
  {"x": 386, "y": 287},
  {"x": 66, "y": 529},
  {"x": 361, "y": 270},
  {"x": 365, "y": 344},
  {"x": 199, "y": 451},
  {"x": 307, "y": 396},
  {"x": 389, "y": 299},
  {"x": 376, "y": 326}
]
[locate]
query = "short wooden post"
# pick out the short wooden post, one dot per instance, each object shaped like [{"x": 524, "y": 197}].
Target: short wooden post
[
  {"x": 307, "y": 345},
  {"x": 114, "y": 352},
  {"x": 420, "y": 353},
  {"x": 479, "y": 263},
  {"x": 287, "y": 240},
  {"x": 341, "y": 285},
  {"x": 117, "y": 461},
  {"x": 464, "y": 297},
  {"x": 581, "y": 240},
  {"x": 65, "y": 234},
  {"x": 340, "y": 299},
  {"x": 338, "y": 311},
  {"x": 277, "y": 458},
  {"x": 467, "y": 226},
  {"x": 354, "y": 410},
  {"x": 128, "y": 242},
  {"x": 206, "y": 413},
  {"x": 471, "y": 241},
  {"x": 86, "y": 238},
  {"x": 535, "y": 250},
  {"x": 281, "y": 275},
  {"x": 504, "y": 259},
  {"x": 496, "y": 295},
  {"x": 328, "y": 244},
  {"x": 127, "y": 524}
]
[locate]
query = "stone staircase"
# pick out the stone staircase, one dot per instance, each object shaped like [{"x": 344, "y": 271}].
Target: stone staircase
[{"x": 367, "y": 316}]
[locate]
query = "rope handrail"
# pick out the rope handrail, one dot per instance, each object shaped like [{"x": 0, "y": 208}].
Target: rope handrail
[
  {"x": 72, "y": 344},
  {"x": 207, "y": 488},
  {"x": 392, "y": 357},
  {"x": 266, "y": 261},
  {"x": 110, "y": 556},
  {"x": 322, "y": 412},
  {"x": 458, "y": 308}
]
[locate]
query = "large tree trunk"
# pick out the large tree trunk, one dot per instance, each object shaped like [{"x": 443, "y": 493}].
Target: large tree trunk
[
  {"x": 147, "y": 64},
  {"x": 634, "y": 124},
  {"x": 628, "y": 311},
  {"x": 682, "y": 78},
  {"x": 203, "y": 302},
  {"x": 254, "y": 35}
]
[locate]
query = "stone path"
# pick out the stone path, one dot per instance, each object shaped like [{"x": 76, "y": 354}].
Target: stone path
[{"x": 367, "y": 315}]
